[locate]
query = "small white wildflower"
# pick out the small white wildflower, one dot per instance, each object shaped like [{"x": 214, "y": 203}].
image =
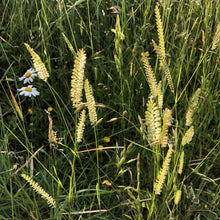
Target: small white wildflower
[
  {"x": 28, "y": 76},
  {"x": 28, "y": 91}
]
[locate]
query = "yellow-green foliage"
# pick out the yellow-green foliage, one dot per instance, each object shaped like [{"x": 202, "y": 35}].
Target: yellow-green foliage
[
  {"x": 216, "y": 37},
  {"x": 192, "y": 107},
  {"x": 77, "y": 78},
  {"x": 153, "y": 122},
  {"x": 90, "y": 102},
  {"x": 38, "y": 64},
  {"x": 188, "y": 136},
  {"x": 150, "y": 75},
  {"x": 164, "y": 65},
  {"x": 39, "y": 190},
  {"x": 81, "y": 125},
  {"x": 158, "y": 185},
  {"x": 166, "y": 124},
  {"x": 160, "y": 31}
]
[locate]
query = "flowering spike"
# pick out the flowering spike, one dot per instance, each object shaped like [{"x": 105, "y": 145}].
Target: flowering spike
[
  {"x": 158, "y": 185},
  {"x": 77, "y": 78},
  {"x": 166, "y": 124},
  {"x": 192, "y": 107},
  {"x": 216, "y": 38},
  {"x": 81, "y": 125},
  {"x": 150, "y": 75},
  {"x": 177, "y": 196},
  {"x": 180, "y": 170},
  {"x": 188, "y": 136},
  {"x": 164, "y": 65},
  {"x": 160, "y": 31},
  {"x": 153, "y": 122},
  {"x": 69, "y": 44},
  {"x": 90, "y": 102},
  {"x": 38, "y": 189},
  {"x": 38, "y": 64}
]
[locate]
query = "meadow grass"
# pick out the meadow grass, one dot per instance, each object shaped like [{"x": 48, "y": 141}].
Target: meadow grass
[{"x": 113, "y": 153}]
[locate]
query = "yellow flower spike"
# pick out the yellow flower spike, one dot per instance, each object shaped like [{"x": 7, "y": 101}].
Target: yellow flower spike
[
  {"x": 107, "y": 139},
  {"x": 37, "y": 188},
  {"x": 38, "y": 64},
  {"x": 100, "y": 147},
  {"x": 90, "y": 102},
  {"x": 160, "y": 31},
  {"x": 81, "y": 126},
  {"x": 158, "y": 184},
  {"x": 77, "y": 78},
  {"x": 151, "y": 78}
]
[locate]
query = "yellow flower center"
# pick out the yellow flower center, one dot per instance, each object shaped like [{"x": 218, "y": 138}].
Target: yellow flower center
[
  {"x": 28, "y": 89},
  {"x": 27, "y": 75}
]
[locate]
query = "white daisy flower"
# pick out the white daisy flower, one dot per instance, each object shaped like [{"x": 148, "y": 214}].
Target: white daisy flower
[
  {"x": 28, "y": 91},
  {"x": 28, "y": 76}
]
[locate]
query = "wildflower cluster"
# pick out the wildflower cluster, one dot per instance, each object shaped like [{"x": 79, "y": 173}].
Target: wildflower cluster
[{"x": 28, "y": 78}]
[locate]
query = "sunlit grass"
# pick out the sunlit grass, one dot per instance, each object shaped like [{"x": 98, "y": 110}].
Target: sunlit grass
[{"x": 112, "y": 171}]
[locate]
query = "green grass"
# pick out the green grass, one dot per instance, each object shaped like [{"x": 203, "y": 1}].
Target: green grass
[{"x": 72, "y": 173}]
